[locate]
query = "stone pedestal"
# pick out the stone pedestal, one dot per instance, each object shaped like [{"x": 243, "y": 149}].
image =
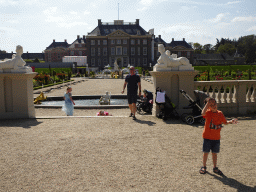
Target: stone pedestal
[
  {"x": 171, "y": 82},
  {"x": 16, "y": 98}
]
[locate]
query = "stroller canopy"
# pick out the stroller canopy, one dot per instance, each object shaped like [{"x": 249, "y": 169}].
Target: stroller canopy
[{"x": 200, "y": 96}]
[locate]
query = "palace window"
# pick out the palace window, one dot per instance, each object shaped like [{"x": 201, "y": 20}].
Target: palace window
[
  {"x": 112, "y": 61},
  {"x": 125, "y": 61},
  {"x": 113, "y": 41},
  {"x": 118, "y": 41},
  {"x": 71, "y": 53},
  {"x": 98, "y": 51},
  {"x": 138, "y": 41},
  {"x": 124, "y": 41},
  {"x": 92, "y": 42},
  {"x": 144, "y": 61},
  {"x": 104, "y": 61},
  {"x": 105, "y": 42},
  {"x": 144, "y": 41},
  {"x": 132, "y": 50},
  {"x": 138, "y": 50},
  {"x": 112, "y": 50},
  {"x": 98, "y": 42},
  {"x": 105, "y": 51},
  {"x": 145, "y": 51},
  {"x": 99, "y": 62},
  {"x": 133, "y": 61},
  {"x": 132, "y": 41},
  {"x": 80, "y": 53},
  {"x": 118, "y": 50},
  {"x": 188, "y": 54},
  {"x": 92, "y": 51},
  {"x": 125, "y": 51},
  {"x": 93, "y": 61}
]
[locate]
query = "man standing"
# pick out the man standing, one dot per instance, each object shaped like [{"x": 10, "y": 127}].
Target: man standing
[{"x": 133, "y": 81}]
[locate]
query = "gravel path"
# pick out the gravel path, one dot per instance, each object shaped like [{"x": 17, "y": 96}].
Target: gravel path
[{"x": 116, "y": 153}]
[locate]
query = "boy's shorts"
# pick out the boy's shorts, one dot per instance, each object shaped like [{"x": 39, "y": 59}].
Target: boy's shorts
[
  {"x": 213, "y": 145},
  {"x": 132, "y": 98}
]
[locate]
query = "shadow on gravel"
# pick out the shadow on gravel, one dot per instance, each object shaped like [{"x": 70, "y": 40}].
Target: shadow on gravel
[
  {"x": 233, "y": 183},
  {"x": 23, "y": 123},
  {"x": 149, "y": 123}
]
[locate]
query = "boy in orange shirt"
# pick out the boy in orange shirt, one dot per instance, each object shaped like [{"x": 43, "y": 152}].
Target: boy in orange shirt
[{"x": 211, "y": 134}]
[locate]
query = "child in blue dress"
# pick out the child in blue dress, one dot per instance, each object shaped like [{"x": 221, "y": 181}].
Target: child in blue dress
[{"x": 68, "y": 107}]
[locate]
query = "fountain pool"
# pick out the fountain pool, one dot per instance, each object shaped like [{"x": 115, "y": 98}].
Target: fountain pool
[{"x": 85, "y": 102}]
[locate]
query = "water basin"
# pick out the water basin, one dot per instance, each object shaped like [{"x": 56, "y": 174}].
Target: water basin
[{"x": 86, "y": 102}]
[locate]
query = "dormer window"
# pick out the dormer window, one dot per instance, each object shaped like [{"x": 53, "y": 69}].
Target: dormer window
[{"x": 138, "y": 32}]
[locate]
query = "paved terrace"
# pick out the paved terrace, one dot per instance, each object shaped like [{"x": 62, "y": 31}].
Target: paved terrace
[{"x": 88, "y": 153}]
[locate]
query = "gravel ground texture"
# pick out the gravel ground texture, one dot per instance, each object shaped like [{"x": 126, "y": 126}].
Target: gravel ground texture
[{"x": 88, "y": 153}]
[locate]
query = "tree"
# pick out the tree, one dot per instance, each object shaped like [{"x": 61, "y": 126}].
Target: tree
[
  {"x": 207, "y": 49},
  {"x": 227, "y": 48},
  {"x": 197, "y": 48},
  {"x": 247, "y": 47},
  {"x": 36, "y": 60},
  {"x": 2, "y": 51}
]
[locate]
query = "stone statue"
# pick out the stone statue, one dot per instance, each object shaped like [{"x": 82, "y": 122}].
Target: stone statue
[
  {"x": 167, "y": 61},
  {"x": 105, "y": 99},
  {"x": 116, "y": 68},
  {"x": 15, "y": 62}
]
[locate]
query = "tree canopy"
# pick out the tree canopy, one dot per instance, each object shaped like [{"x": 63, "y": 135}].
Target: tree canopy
[{"x": 245, "y": 45}]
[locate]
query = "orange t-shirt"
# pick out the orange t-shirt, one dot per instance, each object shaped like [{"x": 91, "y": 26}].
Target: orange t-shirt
[{"x": 213, "y": 124}]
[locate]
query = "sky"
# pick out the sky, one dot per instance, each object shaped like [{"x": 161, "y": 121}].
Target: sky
[{"x": 34, "y": 24}]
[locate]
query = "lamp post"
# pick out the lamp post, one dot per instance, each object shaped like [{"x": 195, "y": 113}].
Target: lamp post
[{"x": 150, "y": 66}]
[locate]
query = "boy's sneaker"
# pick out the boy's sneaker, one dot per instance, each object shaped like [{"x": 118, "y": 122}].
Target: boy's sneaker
[
  {"x": 130, "y": 115},
  {"x": 134, "y": 118}
]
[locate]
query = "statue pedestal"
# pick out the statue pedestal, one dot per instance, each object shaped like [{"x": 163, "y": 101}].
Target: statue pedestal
[
  {"x": 16, "y": 98},
  {"x": 171, "y": 82}
]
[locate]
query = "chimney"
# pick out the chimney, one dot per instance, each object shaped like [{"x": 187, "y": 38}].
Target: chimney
[
  {"x": 137, "y": 22},
  {"x": 172, "y": 39},
  {"x": 159, "y": 36},
  {"x": 99, "y": 22},
  {"x": 183, "y": 39},
  {"x": 83, "y": 36},
  {"x": 78, "y": 37},
  {"x": 65, "y": 40},
  {"x": 54, "y": 40}
]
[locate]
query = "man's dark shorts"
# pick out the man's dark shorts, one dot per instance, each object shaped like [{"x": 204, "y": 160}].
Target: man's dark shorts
[
  {"x": 132, "y": 98},
  {"x": 213, "y": 145}
]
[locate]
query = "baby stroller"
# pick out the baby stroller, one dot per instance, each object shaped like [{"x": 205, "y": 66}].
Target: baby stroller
[
  {"x": 196, "y": 106},
  {"x": 145, "y": 104},
  {"x": 166, "y": 107}
]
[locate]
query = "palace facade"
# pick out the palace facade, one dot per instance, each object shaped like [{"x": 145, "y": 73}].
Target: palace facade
[{"x": 126, "y": 43}]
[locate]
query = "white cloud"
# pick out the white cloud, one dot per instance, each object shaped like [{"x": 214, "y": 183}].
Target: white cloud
[
  {"x": 233, "y": 2},
  {"x": 142, "y": 9},
  {"x": 87, "y": 12},
  {"x": 71, "y": 24},
  {"x": 186, "y": 8},
  {"x": 73, "y": 12},
  {"x": 50, "y": 11},
  {"x": 146, "y": 4},
  {"x": 218, "y": 18},
  {"x": 244, "y": 19},
  {"x": 252, "y": 28},
  {"x": 9, "y": 31}
]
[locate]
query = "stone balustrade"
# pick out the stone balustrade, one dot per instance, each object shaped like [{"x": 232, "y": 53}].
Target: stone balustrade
[{"x": 233, "y": 96}]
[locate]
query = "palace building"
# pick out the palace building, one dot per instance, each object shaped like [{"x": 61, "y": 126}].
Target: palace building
[{"x": 124, "y": 42}]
